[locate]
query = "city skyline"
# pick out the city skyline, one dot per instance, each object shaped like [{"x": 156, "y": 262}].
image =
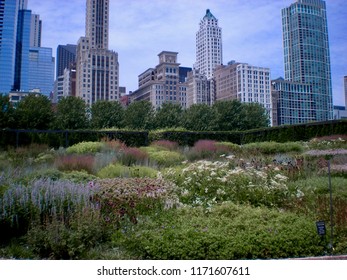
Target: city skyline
[{"x": 252, "y": 32}]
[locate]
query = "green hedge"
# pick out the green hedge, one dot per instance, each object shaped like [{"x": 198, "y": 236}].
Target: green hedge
[
  {"x": 55, "y": 138},
  {"x": 294, "y": 133}
]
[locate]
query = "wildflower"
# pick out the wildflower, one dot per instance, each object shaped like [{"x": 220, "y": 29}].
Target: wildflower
[{"x": 230, "y": 157}]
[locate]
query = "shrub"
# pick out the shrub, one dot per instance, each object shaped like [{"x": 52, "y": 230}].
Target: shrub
[
  {"x": 43, "y": 200},
  {"x": 75, "y": 163},
  {"x": 85, "y": 148},
  {"x": 117, "y": 170},
  {"x": 166, "y": 144},
  {"x": 166, "y": 158},
  {"x": 124, "y": 199},
  {"x": 78, "y": 177},
  {"x": 209, "y": 149},
  {"x": 228, "y": 232},
  {"x": 273, "y": 147},
  {"x": 58, "y": 240},
  {"x": 228, "y": 147},
  {"x": 131, "y": 156},
  {"x": 328, "y": 142},
  {"x": 113, "y": 144},
  {"x": 205, "y": 183}
]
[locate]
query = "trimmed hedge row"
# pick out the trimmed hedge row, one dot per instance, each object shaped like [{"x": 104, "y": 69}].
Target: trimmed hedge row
[
  {"x": 66, "y": 138},
  {"x": 57, "y": 138}
]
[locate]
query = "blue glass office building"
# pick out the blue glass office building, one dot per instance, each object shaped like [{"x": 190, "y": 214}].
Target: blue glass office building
[
  {"x": 306, "y": 52},
  {"x": 41, "y": 70},
  {"x": 8, "y": 36},
  {"x": 21, "y": 77}
]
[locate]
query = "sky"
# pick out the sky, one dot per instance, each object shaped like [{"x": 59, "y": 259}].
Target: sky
[{"x": 141, "y": 29}]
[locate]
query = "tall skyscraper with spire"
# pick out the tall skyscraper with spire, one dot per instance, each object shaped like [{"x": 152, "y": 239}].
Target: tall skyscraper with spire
[
  {"x": 209, "y": 52},
  {"x": 97, "y": 67},
  {"x": 306, "y": 52}
]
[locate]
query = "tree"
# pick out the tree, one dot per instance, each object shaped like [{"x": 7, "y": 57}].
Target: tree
[
  {"x": 107, "y": 114},
  {"x": 34, "y": 112},
  {"x": 169, "y": 116},
  {"x": 139, "y": 115},
  {"x": 253, "y": 116},
  {"x": 6, "y": 112},
  {"x": 199, "y": 117},
  {"x": 227, "y": 115},
  {"x": 71, "y": 114}
]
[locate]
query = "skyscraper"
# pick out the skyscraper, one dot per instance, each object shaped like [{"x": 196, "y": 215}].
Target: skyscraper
[
  {"x": 22, "y": 68},
  {"x": 306, "y": 52},
  {"x": 345, "y": 87},
  {"x": 8, "y": 37},
  {"x": 35, "y": 31},
  {"x": 21, "y": 77},
  {"x": 97, "y": 67},
  {"x": 208, "y": 45},
  {"x": 66, "y": 55}
]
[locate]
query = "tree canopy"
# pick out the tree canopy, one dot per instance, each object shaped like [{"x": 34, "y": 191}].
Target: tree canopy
[
  {"x": 139, "y": 115},
  {"x": 71, "y": 114},
  {"x": 169, "y": 115},
  {"x": 6, "y": 112},
  {"x": 107, "y": 114},
  {"x": 34, "y": 112}
]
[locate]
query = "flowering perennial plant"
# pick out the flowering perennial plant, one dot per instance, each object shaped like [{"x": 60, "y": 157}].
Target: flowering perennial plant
[
  {"x": 44, "y": 200},
  {"x": 205, "y": 183},
  {"x": 127, "y": 198}
]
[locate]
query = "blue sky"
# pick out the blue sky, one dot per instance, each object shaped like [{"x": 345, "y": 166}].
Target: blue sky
[{"x": 141, "y": 29}]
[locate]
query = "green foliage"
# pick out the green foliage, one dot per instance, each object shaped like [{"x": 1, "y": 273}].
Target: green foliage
[
  {"x": 205, "y": 183},
  {"x": 139, "y": 115},
  {"x": 328, "y": 142},
  {"x": 207, "y": 149},
  {"x": 58, "y": 240},
  {"x": 131, "y": 156},
  {"x": 166, "y": 158},
  {"x": 78, "y": 176},
  {"x": 169, "y": 116},
  {"x": 228, "y": 232},
  {"x": 107, "y": 114},
  {"x": 231, "y": 147},
  {"x": 85, "y": 148},
  {"x": 6, "y": 112},
  {"x": 34, "y": 112},
  {"x": 253, "y": 116},
  {"x": 126, "y": 200},
  {"x": 199, "y": 117},
  {"x": 42, "y": 201},
  {"x": 71, "y": 114},
  {"x": 118, "y": 170},
  {"x": 273, "y": 147},
  {"x": 75, "y": 163}
]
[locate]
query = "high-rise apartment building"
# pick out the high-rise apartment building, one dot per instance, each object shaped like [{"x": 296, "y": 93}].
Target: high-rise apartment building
[
  {"x": 208, "y": 45},
  {"x": 306, "y": 52},
  {"x": 35, "y": 31},
  {"x": 162, "y": 84},
  {"x": 244, "y": 82},
  {"x": 293, "y": 102},
  {"x": 97, "y": 67},
  {"x": 66, "y": 56}
]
